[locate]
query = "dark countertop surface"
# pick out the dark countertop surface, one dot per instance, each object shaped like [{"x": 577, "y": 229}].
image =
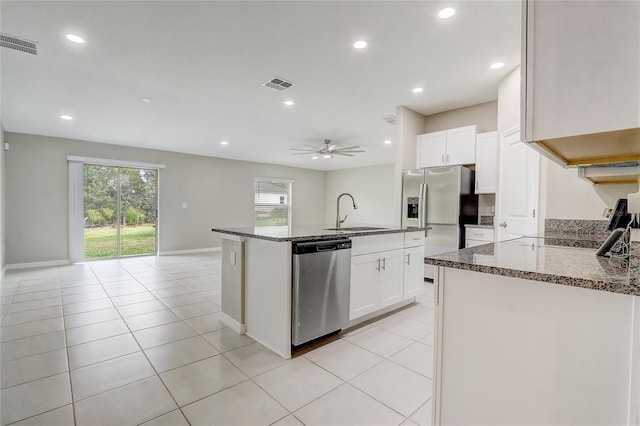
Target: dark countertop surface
[
  {"x": 307, "y": 232},
  {"x": 560, "y": 258}
]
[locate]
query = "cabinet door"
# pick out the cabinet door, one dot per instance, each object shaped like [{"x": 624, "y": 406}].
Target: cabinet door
[
  {"x": 486, "y": 163},
  {"x": 364, "y": 296},
  {"x": 431, "y": 149},
  {"x": 391, "y": 277},
  {"x": 461, "y": 146},
  {"x": 413, "y": 271},
  {"x": 582, "y": 77}
]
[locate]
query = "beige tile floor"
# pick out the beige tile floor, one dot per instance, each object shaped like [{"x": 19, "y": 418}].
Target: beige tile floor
[{"x": 139, "y": 341}]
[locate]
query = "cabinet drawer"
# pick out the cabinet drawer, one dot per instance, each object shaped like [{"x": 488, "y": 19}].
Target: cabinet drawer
[
  {"x": 414, "y": 239},
  {"x": 375, "y": 243},
  {"x": 480, "y": 234}
]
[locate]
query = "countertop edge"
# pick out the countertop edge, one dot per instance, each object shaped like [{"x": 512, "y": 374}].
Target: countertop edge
[
  {"x": 628, "y": 288},
  {"x": 323, "y": 236}
]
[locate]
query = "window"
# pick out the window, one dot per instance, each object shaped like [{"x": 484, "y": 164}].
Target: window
[{"x": 272, "y": 202}]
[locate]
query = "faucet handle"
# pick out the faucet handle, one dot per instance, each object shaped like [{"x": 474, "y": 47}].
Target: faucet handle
[{"x": 345, "y": 218}]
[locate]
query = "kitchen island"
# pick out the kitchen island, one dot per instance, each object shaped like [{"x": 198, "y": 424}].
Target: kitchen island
[
  {"x": 386, "y": 273},
  {"x": 537, "y": 331}
]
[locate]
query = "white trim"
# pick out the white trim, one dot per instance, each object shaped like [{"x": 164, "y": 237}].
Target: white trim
[
  {"x": 37, "y": 264},
  {"x": 232, "y": 324},
  {"x": 510, "y": 132},
  {"x": 272, "y": 179},
  {"x": 4, "y": 269},
  {"x": 120, "y": 163},
  {"x": 76, "y": 211},
  {"x": 202, "y": 250}
]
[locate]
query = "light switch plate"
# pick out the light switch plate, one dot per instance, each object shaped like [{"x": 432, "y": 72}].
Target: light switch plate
[
  {"x": 184, "y": 204},
  {"x": 233, "y": 257}
]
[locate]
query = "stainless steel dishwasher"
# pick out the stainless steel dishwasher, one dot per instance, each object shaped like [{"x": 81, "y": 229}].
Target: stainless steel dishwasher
[{"x": 321, "y": 280}]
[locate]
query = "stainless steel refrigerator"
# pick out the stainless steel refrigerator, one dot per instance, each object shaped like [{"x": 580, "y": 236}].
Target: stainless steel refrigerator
[{"x": 440, "y": 199}]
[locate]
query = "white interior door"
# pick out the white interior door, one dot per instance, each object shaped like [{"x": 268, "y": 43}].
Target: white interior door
[{"x": 517, "y": 196}]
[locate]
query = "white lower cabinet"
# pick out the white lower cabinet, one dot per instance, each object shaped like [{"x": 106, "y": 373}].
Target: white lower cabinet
[
  {"x": 391, "y": 277},
  {"x": 376, "y": 282},
  {"x": 386, "y": 276},
  {"x": 413, "y": 271},
  {"x": 365, "y": 284}
]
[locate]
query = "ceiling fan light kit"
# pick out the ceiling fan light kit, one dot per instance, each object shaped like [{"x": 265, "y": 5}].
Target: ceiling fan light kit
[{"x": 328, "y": 150}]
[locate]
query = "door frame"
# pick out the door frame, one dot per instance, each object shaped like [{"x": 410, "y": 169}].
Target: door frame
[{"x": 76, "y": 199}]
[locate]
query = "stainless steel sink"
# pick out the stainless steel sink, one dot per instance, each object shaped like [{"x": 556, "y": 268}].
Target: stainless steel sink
[{"x": 355, "y": 228}]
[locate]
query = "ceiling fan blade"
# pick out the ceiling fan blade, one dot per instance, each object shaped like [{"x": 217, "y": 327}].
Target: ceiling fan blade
[
  {"x": 342, "y": 153},
  {"x": 304, "y": 149},
  {"x": 351, "y": 147},
  {"x": 351, "y": 151},
  {"x": 314, "y": 147},
  {"x": 302, "y": 153}
]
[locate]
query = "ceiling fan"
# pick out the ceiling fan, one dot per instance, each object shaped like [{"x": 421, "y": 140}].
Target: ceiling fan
[{"x": 328, "y": 150}]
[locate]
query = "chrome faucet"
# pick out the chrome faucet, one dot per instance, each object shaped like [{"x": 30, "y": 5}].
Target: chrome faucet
[{"x": 338, "y": 220}]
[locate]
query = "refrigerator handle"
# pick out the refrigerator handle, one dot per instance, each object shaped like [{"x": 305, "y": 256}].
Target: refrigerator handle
[{"x": 422, "y": 214}]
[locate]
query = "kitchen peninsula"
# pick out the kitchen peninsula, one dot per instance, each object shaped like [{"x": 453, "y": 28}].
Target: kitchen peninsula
[
  {"x": 537, "y": 331},
  {"x": 386, "y": 273}
]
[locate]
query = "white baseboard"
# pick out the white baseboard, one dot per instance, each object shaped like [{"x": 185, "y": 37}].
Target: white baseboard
[
  {"x": 202, "y": 250},
  {"x": 36, "y": 264},
  {"x": 232, "y": 324}
]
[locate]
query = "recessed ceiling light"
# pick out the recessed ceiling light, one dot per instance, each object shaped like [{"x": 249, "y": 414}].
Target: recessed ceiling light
[
  {"x": 417, "y": 90},
  {"x": 327, "y": 156},
  {"x": 75, "y": 38},
  {"x": 360, "y": 44},
  {"x": 146, "y": 100},
  {"x": 497, "y": 65},
  {"x": 66, "y": 117},
  {"x": 224, "y": 142},
  {"x": 288, "y": 103},
  {"x": 446, "y": 13},
  {"x": 387, "y": 142},
  {"x": 315, "y": 157}
]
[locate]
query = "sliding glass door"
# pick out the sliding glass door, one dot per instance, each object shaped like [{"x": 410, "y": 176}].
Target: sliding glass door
[{"x": 120, "y": 211}]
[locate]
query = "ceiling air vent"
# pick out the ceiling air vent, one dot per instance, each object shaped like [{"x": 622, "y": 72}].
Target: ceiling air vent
[
  {"x": 391, "y": 119},
  {"x": 279, "y": 84},
  {"x": 17, "y": 43}
]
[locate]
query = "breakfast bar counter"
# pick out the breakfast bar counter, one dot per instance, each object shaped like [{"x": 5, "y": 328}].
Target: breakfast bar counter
[{"x": 537, "y": 330}]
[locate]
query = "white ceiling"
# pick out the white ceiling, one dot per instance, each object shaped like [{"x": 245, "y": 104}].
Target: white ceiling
[{"x": 203, "y": 64}]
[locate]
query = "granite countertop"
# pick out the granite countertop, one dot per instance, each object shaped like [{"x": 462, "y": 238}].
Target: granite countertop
[
  {"x": 473, "y": 225},
  {"x": 554, "y": 258},
  {"x": 316, "y": 232}
]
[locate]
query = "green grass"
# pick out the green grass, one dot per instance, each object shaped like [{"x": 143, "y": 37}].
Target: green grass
[{"x": 101, "y": 242}]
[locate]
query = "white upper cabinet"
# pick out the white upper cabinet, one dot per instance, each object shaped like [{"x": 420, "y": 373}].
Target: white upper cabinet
[
  {"x": 448, "y": 147},
  {"x": 580, "y": 73},
  {"x": 486, "y": 163},
  {"x": 432, "y": 148}
]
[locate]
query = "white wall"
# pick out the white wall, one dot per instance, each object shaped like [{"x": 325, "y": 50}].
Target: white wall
[
  {"x": 372, "y": 188},
  {"x": 569, "y": 197},
  {"x": 218, "y": 192},
  {"x": 484, "y": 115},
  {"x": 2, "y": 201},
  {"x": 409, "y": 124},
  {"x": 509, "y": 101}
]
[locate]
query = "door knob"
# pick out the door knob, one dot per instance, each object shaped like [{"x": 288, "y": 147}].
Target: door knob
[{"x": 503, "y": 224}]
